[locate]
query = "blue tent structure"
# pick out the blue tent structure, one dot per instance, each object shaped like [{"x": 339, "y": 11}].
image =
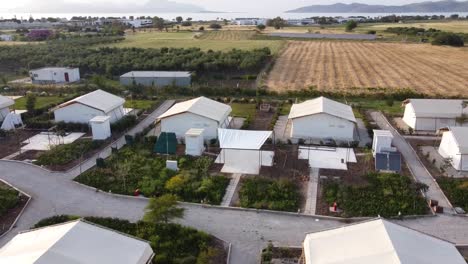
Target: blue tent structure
[
  {"x": 166, "y": 144},
  {"x": 388, "y": 161}
]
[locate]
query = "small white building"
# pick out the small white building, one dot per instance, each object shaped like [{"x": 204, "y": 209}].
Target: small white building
[
  {"x": 75, "y": 242},
  {"x": 200, "y": 112},
  {"x": 433, "y": 114},
  {"x": 377, "y": 241},
  {"x": 84, "y": 108},
  {"x": 382, "y": 141},
  {"x": 138, "y": 23},
  {"x": 6, "y": 37},
  {"x": 322, "y": 118},
  {"x": 454, "y": 146},
  {"x": 249, "y": 21},
  {"x": 100, "y": 126},
  {"x": 54, "y": 75},
  {"x": 301, "y": 22},
  {"x": 5, "y": 103},
  {"x": 194, "y": 142}
]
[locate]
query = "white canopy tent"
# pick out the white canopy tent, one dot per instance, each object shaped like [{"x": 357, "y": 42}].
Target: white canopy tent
[
  {"x": 75, "y": 242},
  {"x": 327, "y": 157},
  {"x": 241, "y": 151}
]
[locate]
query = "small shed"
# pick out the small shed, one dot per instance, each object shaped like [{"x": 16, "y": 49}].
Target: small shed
[
  {"x": 157, "y": 78},
  {"x": 52, "y": 75},
  {"x": 194, "y": 142},
  {"x": 166, "y": 144},
  {"x": 382, "y": 141},
  {"x": 100, "y": 126},
  {"x": 388, "y": 161},
  {"x": 241, "y": 151},
  {"x": 454, "y": 146}
]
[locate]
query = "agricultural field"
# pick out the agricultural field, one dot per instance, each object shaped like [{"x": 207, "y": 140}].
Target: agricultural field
[
  {"x": 223, "y": 40},
  {"x": 460, "y": 26},
  {"x": 334, "y": 66}
]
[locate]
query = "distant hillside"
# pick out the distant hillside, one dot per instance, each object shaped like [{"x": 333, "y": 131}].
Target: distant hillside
[{"x": 423, "y": 7}]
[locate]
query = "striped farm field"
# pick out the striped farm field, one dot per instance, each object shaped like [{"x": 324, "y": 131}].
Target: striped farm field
[
  {"x": 337, "y": 65},
  {"x": 227, "y": 35}
]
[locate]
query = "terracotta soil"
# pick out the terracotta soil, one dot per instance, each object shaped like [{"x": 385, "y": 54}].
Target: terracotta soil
[{"x": 7, "y": 219}]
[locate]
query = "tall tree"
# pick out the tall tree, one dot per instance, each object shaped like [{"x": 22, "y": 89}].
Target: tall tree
[
  {"x": 30, "y": 103},
  {"x": 163, "y": 209},
  {"x": 179, "y": 19},
  {"x": 350, "y": 25}
]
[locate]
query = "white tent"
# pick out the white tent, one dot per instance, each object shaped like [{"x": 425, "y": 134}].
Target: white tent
[
  {"x": 327, "y": 157},
  {"x": 75, "y": 242},
  {"x": 241, "y": 151},
  {"x": 377, "y": 241},
  {"x": 11, "y": 121},
  {"x": 454, "y": 146}
]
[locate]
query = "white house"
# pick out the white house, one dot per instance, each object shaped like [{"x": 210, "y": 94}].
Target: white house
[
  {"x": 138, "y": 23},
  {"x": 433, "y": 114},
  {"x": 6, "y": 37},
  {"x": 322, "y": 118},
  {"x": 454, "y": 146},
  {"x": 377, "y": 241},
  {"x": 301, "y": 22},
  {"x": 200, "y": 112},
  {"x": 75, "y": 242},
  {"x": 382, "y": 141},
  {"x": 84, "y": 108},
  {"x": 52, "y": 75},
  {"x": 5, "y": 103}
]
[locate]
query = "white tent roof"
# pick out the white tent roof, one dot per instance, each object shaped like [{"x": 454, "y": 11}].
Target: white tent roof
[
  {"x": 76, "y": 242},
  {"x": 327, "y": 157},
  {"x": 156, "y": 74},
  {"x": 443, "y": 108},
  {"x": 201, "y": 106},
  {"x": 6, "y": 102},
  {"x": 242, "y": 139},
  {"x": 322, "y": 105},
  {"x": 461, "y": 136},
  {"x": 377, "y": 241},
  {"x": 98, "y": 99}
]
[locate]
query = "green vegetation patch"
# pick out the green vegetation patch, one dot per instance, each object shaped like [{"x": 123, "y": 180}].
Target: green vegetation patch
[
  {"x": 8, "y": 198},
  {"x": 243, "y": 110},
  {"x": 140, "y": 104},
  {"x": 41, "y": 102},
  {"x": 136, "y": 167},
  {"x": 384, "y": 194},
  {"x": 64, "y": 154},
  {"x": 456, "y": 191},
  {"x": 172, "y": 243},
  {"x": 263, "y": 193}
]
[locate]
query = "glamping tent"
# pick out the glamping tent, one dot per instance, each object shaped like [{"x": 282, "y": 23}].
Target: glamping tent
[
  {"x": 240, "y": 151},
  {"x": 5, "y": 103},
  {"x": 75, "y": 242},
  {"x": 377, "y": 241},
  {"x": 454, "y": 146}
]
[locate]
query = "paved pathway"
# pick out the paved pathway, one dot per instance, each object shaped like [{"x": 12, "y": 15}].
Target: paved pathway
[
  {"x": 282, "y": 128},
  {"x": 364, "y": 137},
  {"x": 417, "y": 168},
  {"x": 312, "y": 187},
  {"x": 231, "y": 189}
]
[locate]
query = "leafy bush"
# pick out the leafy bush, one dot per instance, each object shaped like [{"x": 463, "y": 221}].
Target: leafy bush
[
  {"x": 262, "y": 193},
  {"x": 172, "y": 243},
  {"x": 456, "y": 191},
  {"x": 64, "y": 154},
  {"x": 8, "y": 199},
  {"x": 384, "y": 195},
  {"x": 449, "y": 39},
  {"x": 124, "y": 123},
  {"x": 215, "y": 26},
  {"x": 135, "y": 167}
]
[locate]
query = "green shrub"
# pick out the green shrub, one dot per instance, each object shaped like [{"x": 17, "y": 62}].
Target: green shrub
[
  {"x": 8, "y": 199},
  {"x": 124, "y": 123},
  {"x": 456, "y": 191},
  {"x": 64, "y": 154},
  {"x": 263, "y": 193},
  {"x": 449, "y": 39}
]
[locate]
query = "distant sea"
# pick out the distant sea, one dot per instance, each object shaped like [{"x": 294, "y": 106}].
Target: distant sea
[{"x": 213, "y": 15}]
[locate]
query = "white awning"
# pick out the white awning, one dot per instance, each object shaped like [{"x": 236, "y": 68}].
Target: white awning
[
  {"x": 327, "y": 157},
  {"x": 242, "y": 139}
]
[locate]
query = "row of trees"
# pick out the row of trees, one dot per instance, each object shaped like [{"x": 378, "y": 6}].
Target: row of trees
[{"x": 438, "y": 37}]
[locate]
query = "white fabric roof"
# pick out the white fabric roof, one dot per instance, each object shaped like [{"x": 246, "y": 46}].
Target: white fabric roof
[
  {"x": 242, "y": 139},
  {"x": 322, "y": 105},
  {"x": 461, "y": 136},
  {"x": 201, "y": 106},
  {"x": 382, "y": 133},
  {"x": 244, "y": 161},
  {"x": 377, "y": 241},
  {"x": 447, "y": 108},
  {"x": 75, "y": 242},
  {"x": 327, "y": 157},
  {"x": 6, "y": 102},
  {"x": 98, "y": 99},
  {"x": 153, "y": 74}
]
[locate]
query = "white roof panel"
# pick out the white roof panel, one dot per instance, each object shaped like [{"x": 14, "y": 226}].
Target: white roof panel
[
  {"x": 444, "y": 108},
  {"x": 6, "y": 102},
  {"x": 377, "y": 241},
  {"x": 98, "y": 99},
  {"x": 156, "y": 74},
  {"x": 382, "y": 133},
  {"x": 461, "y": 136},
  {"x": 99, "y": 119},
  {"x": 201, "y": 106},
  {"x": 322, "y": 105},
  {"x": 75, "y": 242},
  {"x": 242, "y": 139}
]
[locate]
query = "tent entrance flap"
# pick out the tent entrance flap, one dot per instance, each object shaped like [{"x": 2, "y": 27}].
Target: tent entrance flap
[{"x": 244, "y": 161}]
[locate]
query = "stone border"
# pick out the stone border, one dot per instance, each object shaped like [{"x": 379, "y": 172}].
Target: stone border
[{"x": 22, "y": 210}]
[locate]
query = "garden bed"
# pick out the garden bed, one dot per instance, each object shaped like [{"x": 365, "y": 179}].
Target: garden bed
[
  {"x": 135, "y": 168},
  {"x": 12, "y": 203},
  {"x": 456, "y": 191},
  {"x": 171, "y": 243},
  {"x": 12, "y": 142},
  {"x": 279, "y": 255}
]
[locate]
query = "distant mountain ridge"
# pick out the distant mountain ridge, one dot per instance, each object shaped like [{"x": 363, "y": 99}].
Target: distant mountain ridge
[{"x": 423, "y": 7}]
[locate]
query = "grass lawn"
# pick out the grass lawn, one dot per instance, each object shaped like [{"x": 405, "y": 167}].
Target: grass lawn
[
  {"x": 189, "y": 40},
  {"x": 8, "y": 198},
  {"x": 285, "y": 109},
  {"x": 381, "y": 105},
  {"x": 41, "y": 101},
  {"x": 243, "y": 110},
  {"x": 140, "y": 104},
  {"x": 451, "y": 26}
]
